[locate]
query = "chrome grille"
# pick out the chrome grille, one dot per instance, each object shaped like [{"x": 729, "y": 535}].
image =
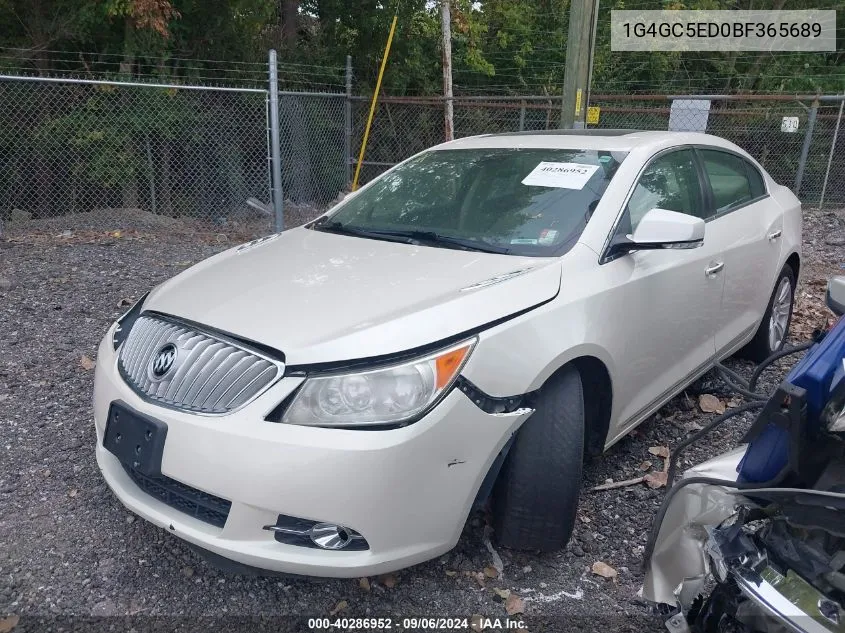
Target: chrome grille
[{"x": 209, "y": 374}]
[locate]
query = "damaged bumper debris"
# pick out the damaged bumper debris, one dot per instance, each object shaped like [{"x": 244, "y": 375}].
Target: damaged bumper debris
[
  {"x": 758, "y": 562},
  {"x": 679, "y": 565},
  {"x": 754, "y": 540}
]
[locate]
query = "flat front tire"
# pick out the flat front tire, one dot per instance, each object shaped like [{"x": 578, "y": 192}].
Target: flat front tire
[{"x": 536, "y": 494}]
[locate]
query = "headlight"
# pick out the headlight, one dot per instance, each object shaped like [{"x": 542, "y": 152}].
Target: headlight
[
  {"x": 389, "y": 395},
  {"x": 125, "y": 323}
]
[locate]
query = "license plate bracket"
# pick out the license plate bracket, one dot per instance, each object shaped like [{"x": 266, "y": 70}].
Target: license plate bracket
[{"x": 137, "y": 440}]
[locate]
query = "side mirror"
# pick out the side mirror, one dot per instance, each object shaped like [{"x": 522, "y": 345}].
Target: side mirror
[
  {"x": 836, "y": 295},
  {"x": 659, "y": 229}
]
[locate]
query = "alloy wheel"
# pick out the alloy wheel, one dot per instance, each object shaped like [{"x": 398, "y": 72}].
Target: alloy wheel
[{"x": 779, "y": 319}]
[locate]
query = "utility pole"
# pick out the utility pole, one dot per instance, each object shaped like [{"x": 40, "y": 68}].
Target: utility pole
[
  {"x": 583, "y": 16},
  {"x": 449, "y": 111},
  {"x": 275, "y": 148}
]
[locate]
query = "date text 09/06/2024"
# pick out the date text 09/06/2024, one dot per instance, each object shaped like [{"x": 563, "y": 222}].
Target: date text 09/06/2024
[{"x": 476, "y": 622}]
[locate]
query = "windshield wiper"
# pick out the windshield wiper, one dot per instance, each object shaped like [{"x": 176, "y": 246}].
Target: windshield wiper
[
  {"x": 343, "y": 229},
  {"x": 430, "y": 238}
]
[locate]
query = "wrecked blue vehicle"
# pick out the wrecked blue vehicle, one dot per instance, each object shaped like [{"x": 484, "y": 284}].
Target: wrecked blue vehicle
[{"x": 754, "y": 539}]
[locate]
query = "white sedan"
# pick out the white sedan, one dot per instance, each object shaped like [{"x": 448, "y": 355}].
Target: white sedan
[{"x": 335, "y": 399}]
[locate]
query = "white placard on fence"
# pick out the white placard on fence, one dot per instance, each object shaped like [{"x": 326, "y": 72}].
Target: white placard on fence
[
  {"x": 689, "y": 115},
  {"x": 789, "y": 124}
]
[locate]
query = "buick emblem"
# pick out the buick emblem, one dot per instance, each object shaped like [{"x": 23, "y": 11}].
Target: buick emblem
[{"x": 163, "y": 361}]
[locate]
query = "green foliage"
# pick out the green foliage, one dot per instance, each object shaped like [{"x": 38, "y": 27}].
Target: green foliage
[{"x": 511, "y": 46}]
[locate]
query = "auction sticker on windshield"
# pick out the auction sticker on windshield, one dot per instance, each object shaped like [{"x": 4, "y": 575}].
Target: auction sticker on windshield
[{"x": 560, "y": 175}]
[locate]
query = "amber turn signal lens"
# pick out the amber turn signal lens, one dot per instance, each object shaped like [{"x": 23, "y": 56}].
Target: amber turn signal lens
[{"x": 448, "y": 364}]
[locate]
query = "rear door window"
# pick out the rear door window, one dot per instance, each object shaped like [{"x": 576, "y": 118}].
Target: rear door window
[{"x": 733, "y": 180}]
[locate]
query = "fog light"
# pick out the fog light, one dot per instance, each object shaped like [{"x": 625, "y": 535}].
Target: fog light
[
  {"x": 316, "y": 534},
  {"x": 330, "y": 536}
]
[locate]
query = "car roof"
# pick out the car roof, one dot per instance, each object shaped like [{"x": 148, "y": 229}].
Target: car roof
[{"x": 609, "y": 140}]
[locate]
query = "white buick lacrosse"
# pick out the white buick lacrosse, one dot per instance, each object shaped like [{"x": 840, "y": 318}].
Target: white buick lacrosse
[{"x": 333, "y": 400}]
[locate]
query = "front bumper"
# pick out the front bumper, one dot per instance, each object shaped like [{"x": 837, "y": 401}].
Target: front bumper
[{"x": 408, "y": 491}]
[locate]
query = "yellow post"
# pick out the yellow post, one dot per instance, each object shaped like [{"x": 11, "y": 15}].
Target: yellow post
[{"x": 373, "y": 104}]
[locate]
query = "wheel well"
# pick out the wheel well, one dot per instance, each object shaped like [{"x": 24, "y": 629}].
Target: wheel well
[
  {"x": 794, "y": 263},
  {"x": 595, "y": 380}
]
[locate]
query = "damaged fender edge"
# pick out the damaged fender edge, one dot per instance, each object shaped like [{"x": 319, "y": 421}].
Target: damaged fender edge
[{"x": 679, "y": 565}]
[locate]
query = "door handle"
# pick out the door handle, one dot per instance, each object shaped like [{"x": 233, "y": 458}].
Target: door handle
[
  {"x": 714, "y": 269},
  {"x": 775, "y": 235}
]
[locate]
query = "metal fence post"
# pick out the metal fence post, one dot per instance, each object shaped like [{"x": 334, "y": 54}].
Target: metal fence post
[
  {"x": 832, "y": 149},
  {"x": 152, "y": 177},
  {"x": 805, "y": 149},
  {"x": 275, "y": 151},
  {"x": 347, "y": 121}
]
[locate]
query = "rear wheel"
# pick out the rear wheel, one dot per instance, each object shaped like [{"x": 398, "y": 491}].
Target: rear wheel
[
  {"x": 536, "y": 494},
  {"x": 773, "y": 330}
]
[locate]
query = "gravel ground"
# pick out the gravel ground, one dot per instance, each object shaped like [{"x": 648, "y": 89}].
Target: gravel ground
[{"x": 70, "y": 552}]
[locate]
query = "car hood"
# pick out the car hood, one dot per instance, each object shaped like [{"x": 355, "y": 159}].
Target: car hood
[{"x": 321, "y": 297}]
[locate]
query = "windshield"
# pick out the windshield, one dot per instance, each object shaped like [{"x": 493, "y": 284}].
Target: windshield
[{"x": 533, "y": 202}]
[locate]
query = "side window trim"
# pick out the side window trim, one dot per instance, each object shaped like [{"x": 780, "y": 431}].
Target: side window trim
[
  {"x": 748, "y": 166},
  {"x": 604, "y": 259},
  {"x": 706, "y": 188}
]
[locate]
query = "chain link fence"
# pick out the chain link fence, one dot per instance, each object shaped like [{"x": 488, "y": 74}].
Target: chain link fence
[
  {"x": 315, "y": 162},
  {"x": 112, "y": 150},
  {"x": 403, "y": 126},
  {"x": 112, "y": 154}
]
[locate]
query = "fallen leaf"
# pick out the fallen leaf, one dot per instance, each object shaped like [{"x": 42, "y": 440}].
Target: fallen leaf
[
  {"x": 475, "y": 622},
  {"x": 339, "y": 607},
  {"x": 656, "y": 480},
  {"x": 7, "y": 624},
  {"x": 72, "y": 493},
  {"x": 504, "y": 594},
  {"x": 451, "y": 573},
  {"x": 659, "y": 451},
  {"x": 117, "y": 234},
  {"x": 604, "y": 570},
  {"x": 514, "y": 605},
  {"x": 388, "y": 581},
  {"x": 645, "y": 465},
  {"x": 491, "y": 572},
  {"x": 709, "y": 403},
  {"x": 480, "y": 579},
  {"x": 87, "y": 363},
  {"x": 364, "y": 583}
]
